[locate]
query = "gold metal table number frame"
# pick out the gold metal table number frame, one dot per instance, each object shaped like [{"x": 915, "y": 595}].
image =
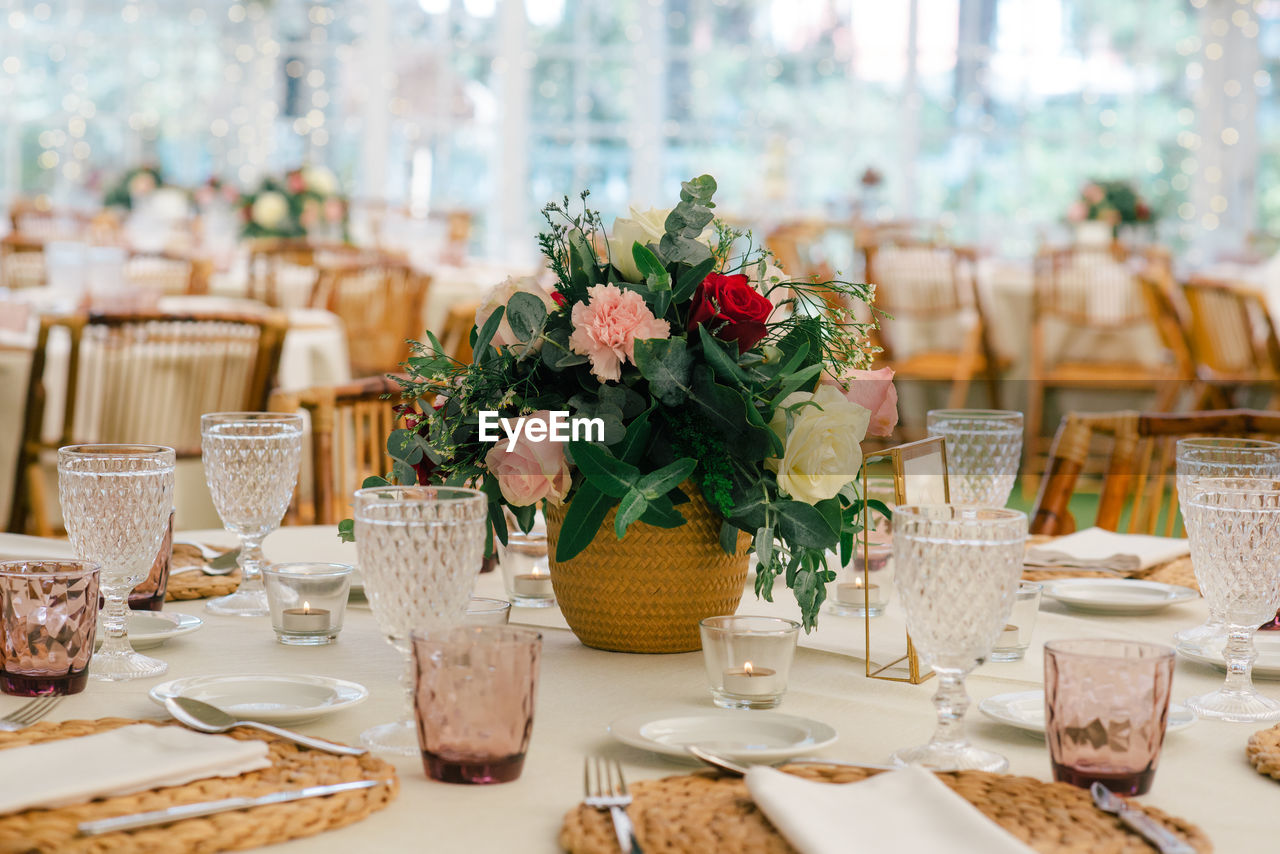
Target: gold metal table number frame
[{"x": 919, "y": 477}]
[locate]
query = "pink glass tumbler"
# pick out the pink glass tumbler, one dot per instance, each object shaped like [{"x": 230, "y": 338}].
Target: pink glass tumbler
[
  {"x": 1106, "y": 707},
  {"x": 48, "y": 616}
]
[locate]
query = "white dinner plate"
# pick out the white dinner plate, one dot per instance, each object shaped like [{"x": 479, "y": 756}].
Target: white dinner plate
[
  {"x": 269, "y": 698},
  {"x": 1025, "y": 710},
  {"x": 745, "y": 735},
  {"x": 1116, "y": 595},
  {"x": 152, "y": 628},
  {"x": 1267, "y": 665}
]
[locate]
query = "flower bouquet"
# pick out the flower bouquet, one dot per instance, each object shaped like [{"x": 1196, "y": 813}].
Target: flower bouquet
[
  {"x": 305, "y": 203},
  {"x": 133, "y": 186},
  {"x": 670, "y": 375},
  {"x": 1114, "y": 203}
]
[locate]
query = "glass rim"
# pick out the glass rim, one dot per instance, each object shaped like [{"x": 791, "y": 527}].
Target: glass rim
[
  {"x": 81, "y": 568},
  {"x": 995, "y": 415},
  {"x": 123, "y": 451},
  {"x": 1221, "y": 443},
  {"x": 1062, "y": 646},
  {"x": 461, "y": 493},
  {"x": 465, "y": 635},
  {"x": 323, "y": 569},
  {"x": 1029, "y": 586},
  {"x": 784, "y": 628},
  {"x": 923, "y": 511},
  {"x": 486, "y": 605},
  {"x": 233, "y": 417}
]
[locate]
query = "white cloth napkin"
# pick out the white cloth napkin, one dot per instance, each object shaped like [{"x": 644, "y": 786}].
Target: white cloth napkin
[
  {"x": 22, "y": 547},
  {"x": 1096, "y": 547},
  {"x": 906, "y": 811},
  {"x": 129, "y": 759}
]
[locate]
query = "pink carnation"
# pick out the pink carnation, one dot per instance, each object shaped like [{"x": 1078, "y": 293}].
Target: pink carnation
[
  {"x": 873, "y": 391},
  {"x": 533, "y": 471},
  {"x": 605, "y": 328}
]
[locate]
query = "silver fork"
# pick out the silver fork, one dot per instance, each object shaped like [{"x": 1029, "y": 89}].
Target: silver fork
[
  {"x": 28, "y": 713},
  {"x": 610, "y": 793}
]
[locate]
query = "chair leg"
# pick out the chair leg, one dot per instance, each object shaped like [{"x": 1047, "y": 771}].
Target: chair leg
[{"x": 38, "y": 515}]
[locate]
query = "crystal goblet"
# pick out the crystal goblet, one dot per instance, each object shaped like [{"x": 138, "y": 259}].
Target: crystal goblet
[
  {"x": 956, "y": 574},
  {"x": 984, "y": 447},
  {"x": 251, "y": 465},
  {"x": 1212, "y": 457},
  {"x": 1234, "y": 530},
  {"x": 420, "y": 551},
  {"x": 116, "y": 502}
]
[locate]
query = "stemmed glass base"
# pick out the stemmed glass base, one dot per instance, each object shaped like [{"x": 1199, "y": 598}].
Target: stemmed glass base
[
  {"x": 122, "y": 665},
  {"x": 243, "y": 603},
  {"x": 955, "y": 756},
  {"x": 1247, "y": 706},
  {"x": 399, "y": 738}
]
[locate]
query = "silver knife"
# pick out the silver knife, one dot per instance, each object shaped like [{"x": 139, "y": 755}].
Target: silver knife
[
  {"x": 172, "y": 814},
  {"x": 1144, "y": 825}
]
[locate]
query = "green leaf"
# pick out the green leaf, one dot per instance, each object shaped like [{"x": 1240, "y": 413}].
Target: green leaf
[
  {"x": 582, "y": 521},
  {"x": 583, "y": 269},
  {"x": 660, "y": 516},
  {"x": 403, "y": 473},
  {"x": 803, "y": 525},
  {"x": 485, "y": 335},
  {"x": 373, "y": 480},
  {"x": 632, "y": 446},
  {"x": 764, "y": 544},
  {"x": 721, "y": 362},
  {"x": 655, "y": 275},
  {"x": 526, "y": 314},
  {"x": 556, "y": 354},
  {"x": 525, "y": 516},
  {"x": 665, "y": 363},
  {"x": 799, "y": 381},
  {"x": 347, "y": 530},
  {"x": 602, "y": 470},
  {"x": 633, "y": 506},
  {"x": 662, "y": 481},
  {"x": 728, "y": 538},
  {"x": 691, "y": 278},
  {"x": 407, "y": 445}
]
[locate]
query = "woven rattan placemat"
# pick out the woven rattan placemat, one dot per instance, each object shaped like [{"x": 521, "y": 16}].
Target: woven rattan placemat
[
  {"x": 292, "y": 767},
  {"x": 194, "y": 584},
  {"x": 703, "y": 813},
  {"x": 1178, "y": 572}
]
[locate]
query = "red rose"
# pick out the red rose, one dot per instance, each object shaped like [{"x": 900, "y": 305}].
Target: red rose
[
  {"x": 730, "y": 307},
  {"x": 1142, "y": 212},
  {"x": 558, "y": 298},
  {"x": 295, "y": 182}
]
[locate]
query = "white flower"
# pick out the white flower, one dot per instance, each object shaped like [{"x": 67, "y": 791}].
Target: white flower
[
  {"x": 269, "y": 209},
  {"x": 169, "y": 203},
  {"x": 319, "y": 180},
  {"x": 823, "y": 451},
  {"x": 501, "y": 295},
  {"x": 643, "y": 227}
]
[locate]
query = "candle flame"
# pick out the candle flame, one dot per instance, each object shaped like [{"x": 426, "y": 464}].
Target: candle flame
[
  {"x": 747, "y": 668},
  {"x": 306, "y": 607}
]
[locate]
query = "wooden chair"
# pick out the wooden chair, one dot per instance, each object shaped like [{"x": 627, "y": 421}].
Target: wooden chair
[
  {"x": 1138, "y": 494},
  {"x": 1091, "y": 291},
  {"x": 1233, "y": 341},
  {"x": 348, "y": 443},
  {"x": 926, "y": 282},
  {"x": 455, "y": 337},
  {"x": 142, "y": 378},
  {"x": 21, "y": 262},
  {"x": 1169, "y": 318},
  {"x": 381, "y": 306},
  {"x": 169, "y": 274}
]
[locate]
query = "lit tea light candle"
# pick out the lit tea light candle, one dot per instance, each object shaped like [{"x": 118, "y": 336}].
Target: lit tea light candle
[
  {"x": 751, "y": 681},
  {"x": 305, "y": 619},
  {"x": 856, "y": 593},
  {"x": 1008, "y": 637},
  {"x": 534, "y": 585}
]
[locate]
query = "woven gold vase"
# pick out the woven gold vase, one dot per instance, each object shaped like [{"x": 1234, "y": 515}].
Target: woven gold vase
[{"x": 647, "y": 592}]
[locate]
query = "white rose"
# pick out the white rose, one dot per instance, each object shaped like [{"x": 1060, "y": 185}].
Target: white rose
[
  {"x": 501, "y": 295},
  {"x": 823, "y": 451},
  {"x": 643, "y": 227},
  {"x": 169, "y": 203},
  {"x": 269, "y": 209},
  {"x": 319, "y": 180}
]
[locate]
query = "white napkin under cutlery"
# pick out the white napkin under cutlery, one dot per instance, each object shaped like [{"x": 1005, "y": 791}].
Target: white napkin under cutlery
[{"x": 1095, "y": 547}]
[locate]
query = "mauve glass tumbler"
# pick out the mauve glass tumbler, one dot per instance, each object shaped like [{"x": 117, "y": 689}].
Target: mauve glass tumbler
[
  {"x": 1106, "y": 706},
  {"x": 50, "y": 613},
  {"x": 474, "y": 691}
]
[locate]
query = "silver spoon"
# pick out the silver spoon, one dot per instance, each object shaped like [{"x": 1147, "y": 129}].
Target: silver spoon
[{"x": 204, "y": 717}]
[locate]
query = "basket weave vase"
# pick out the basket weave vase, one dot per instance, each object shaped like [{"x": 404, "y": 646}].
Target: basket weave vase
[{"x": 647, "y": 592}]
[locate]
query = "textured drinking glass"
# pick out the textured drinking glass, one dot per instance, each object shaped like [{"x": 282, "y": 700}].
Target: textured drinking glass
[
  {"x": 420, "y": 551},
  {"x": 956, "y": 570},
  {"x": 1106, "y": 704},
  {"x": 473, "y": 695},
  {"x": 748, "y": 659},
  {"x": 1016, "y": 635},
  {"x": 1212, "y": 457},
  {"x": 50, "y": 613},
  {"x": 251, "y": 465},
  {"x": 308, "y": 601},
  {"x": 525, "y": 568},
  {"x": 116, "y": 502},
  {"x": 1235, "y": 550},
  {"x": 482, "y": 611},
  {"x": 984, "y": 447}
]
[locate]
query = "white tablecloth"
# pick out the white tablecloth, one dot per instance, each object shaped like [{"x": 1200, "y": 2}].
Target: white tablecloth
[{"x": 1203, "y": 775}]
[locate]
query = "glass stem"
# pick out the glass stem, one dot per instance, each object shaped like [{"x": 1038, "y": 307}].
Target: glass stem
[
  {"x": 951, "y": 702},
  {"x": 251, "y": 561},
  {"x": 1240, "y": 656},
  {"x": 114, "y": 616}
]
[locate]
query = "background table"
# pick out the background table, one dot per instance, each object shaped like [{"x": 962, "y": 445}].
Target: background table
[{"x": 1203, "y": 775}]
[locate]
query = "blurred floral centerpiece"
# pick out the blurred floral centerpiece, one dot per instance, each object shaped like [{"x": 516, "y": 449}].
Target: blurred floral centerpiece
[
  {"x": 134, "y": 186},
  {"x": 731, "y": 404},
  {"x": 304, "y": 203},
  {"x": 1113, "y": 203}
]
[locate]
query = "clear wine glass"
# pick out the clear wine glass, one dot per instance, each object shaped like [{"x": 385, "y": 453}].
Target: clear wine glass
[
  {"x": 984, "y": 447},
  {"x": 251, "y": 465},
  {"x": 420, "y": 550},
  {"x": 956, "y": 573},
  {"x": 1212, "y": 457},
  {"x": 1233, "y": 527},
  {"x": 116, "y": 501}
]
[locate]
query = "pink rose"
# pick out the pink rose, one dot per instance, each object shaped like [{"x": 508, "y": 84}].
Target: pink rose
[
  {"x": 1077, "y": 211},
  {"x": 1093, "y": 193},
  {"x": 533, "y": 470},
  {"x": 605, "y": 328},
  {"x": 873, "y": 391}
]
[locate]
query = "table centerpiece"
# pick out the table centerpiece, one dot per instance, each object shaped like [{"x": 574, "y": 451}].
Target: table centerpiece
[{"x": 728, "y": 405}]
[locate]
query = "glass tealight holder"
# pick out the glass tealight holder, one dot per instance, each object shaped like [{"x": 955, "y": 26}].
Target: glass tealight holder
[
  {"x": 1016, "y": 635},
  {"x": 487, "y": 612},
  {"x": 307, "y": 601},
  {"x": 859, "y": 594},
  {"x": 748, "y": 659},
  {"x": 525, "y": 568}
]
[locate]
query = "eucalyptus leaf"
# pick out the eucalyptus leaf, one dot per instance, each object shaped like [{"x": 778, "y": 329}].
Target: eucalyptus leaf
[
  {"x": 633, "y": 506},
  {"x": 803, "y": 525},
  {"x": 526, "y": 314},
  {"x": 665, "y": 363},
  {"x": 658, "y": 483}
]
